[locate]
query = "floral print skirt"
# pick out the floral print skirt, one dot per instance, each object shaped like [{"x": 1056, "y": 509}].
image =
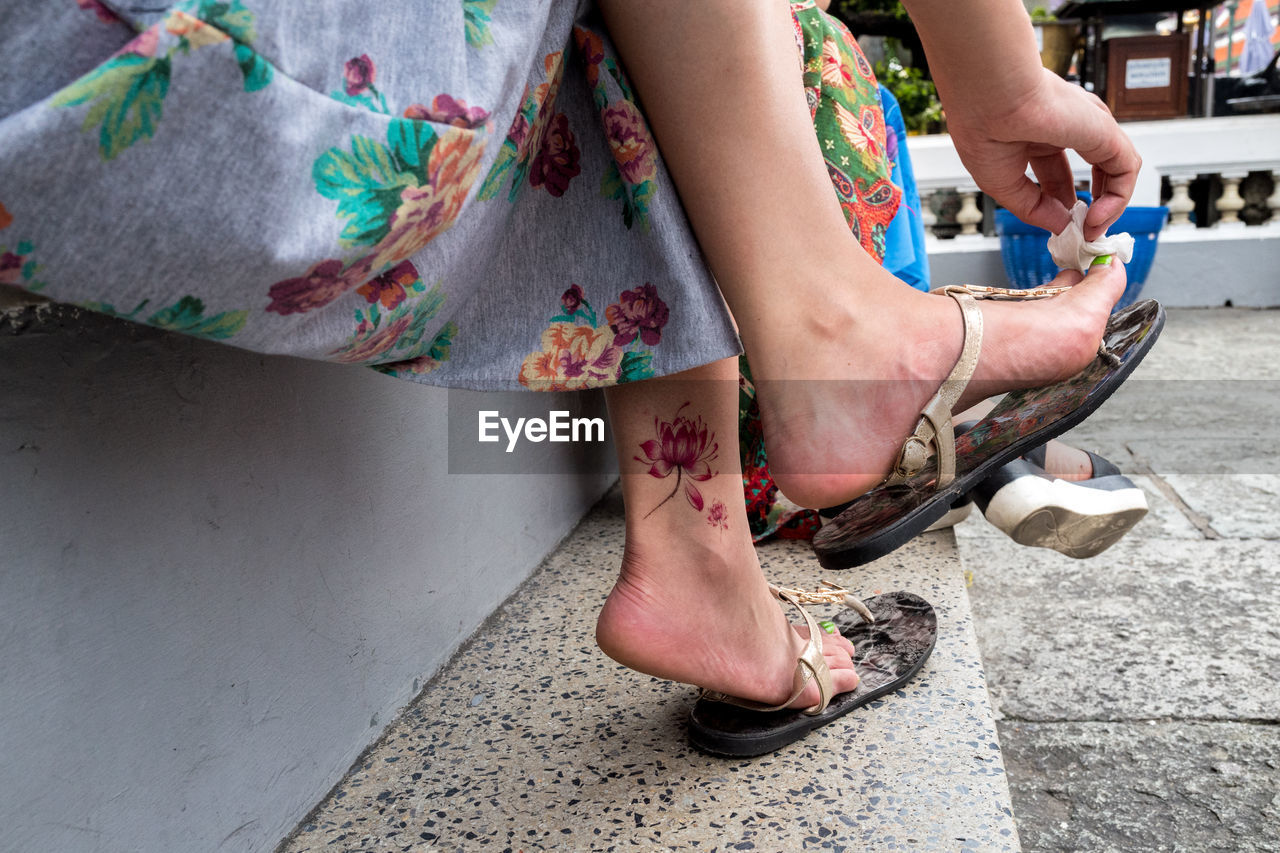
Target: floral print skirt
[{"x": 459, "y": 192}]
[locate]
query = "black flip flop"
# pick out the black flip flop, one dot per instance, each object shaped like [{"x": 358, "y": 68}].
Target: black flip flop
[
  {"x": 888, "y": 517},
  {"x": 889, "y": 652}
]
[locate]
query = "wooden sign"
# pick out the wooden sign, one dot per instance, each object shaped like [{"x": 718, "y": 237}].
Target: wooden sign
[{"x": 1147, "y": 76}]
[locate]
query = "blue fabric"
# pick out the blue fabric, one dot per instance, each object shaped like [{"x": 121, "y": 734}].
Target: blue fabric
[{"x": 904, "y": 254}]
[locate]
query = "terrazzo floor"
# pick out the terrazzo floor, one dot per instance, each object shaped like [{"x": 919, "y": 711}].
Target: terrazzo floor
[{"x": 532, "y": 739}]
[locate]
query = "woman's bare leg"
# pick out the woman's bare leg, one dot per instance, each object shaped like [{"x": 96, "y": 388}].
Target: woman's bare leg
[
  {"x": 843, "y": 355},
  {"x": 691, "y": 603}
]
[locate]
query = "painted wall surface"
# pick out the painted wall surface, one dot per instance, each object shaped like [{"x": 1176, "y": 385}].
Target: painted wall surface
[{"x": 220, "y": 576}]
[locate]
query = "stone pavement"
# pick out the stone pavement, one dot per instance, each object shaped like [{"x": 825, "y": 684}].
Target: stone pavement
[
  {"x": 1136, "y": 693},
  {"x": 531, "y": 739},
  {"x": 1140, "y": 690}
]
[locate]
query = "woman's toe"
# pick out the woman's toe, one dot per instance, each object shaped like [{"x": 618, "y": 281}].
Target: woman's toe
[
  {"x": 831, "y": 639},
  {"x": 844, "y": 680}
]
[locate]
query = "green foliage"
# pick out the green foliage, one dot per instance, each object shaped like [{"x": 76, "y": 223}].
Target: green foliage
[
  {"x": 891, "y": 8},
  {"x": 918, "y": 97},
  {"x": 501, "y": 169},
  {"x": 442, "y": 343},
  {"x": 611, "y": 184},
  {"x": 256, "y": 70},
  {"x": 477, "y": 14},
  {"x": 1040, "y": 14},
  {"x": 921, "y": 109},
  {"x": 186, "y": 316},
  {"x": 424, "y": 310},
  {"x": 230, "y": 17},
  {"x": 634, "y": 198},
  {"x": 367, "y": 181},
  {"x": 127, "y": 95},
  {"x": 411, "y": 143},
  {"x": 635, "y": 366}
]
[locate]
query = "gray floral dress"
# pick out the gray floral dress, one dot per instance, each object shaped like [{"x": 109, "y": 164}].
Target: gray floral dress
[{"x": 459, "y": 192}]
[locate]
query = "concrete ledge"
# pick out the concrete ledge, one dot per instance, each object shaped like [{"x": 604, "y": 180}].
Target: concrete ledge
[
  {"x": 222, "y": 574},
  {"x": 1193, "y": 268},
  {"x": 532, "y": 739}
]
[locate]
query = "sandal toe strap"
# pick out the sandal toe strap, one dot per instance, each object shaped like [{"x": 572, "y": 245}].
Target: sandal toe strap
[
  {"x": 810, "y": 665},
  {"x": 1004, "y": 293},
  {"x": 811, "y": 659}
]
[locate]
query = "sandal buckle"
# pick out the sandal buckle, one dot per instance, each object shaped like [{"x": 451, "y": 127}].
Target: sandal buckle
[{"x": 912, "y": 457}]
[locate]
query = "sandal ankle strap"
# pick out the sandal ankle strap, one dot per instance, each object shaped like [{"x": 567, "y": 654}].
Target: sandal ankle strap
[{"x": 934, "y": 427}]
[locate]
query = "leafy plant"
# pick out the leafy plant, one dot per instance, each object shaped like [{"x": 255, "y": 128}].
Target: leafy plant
[
  {"x": 921, "y": 109},
  {"x": 890, "y": 8},
  {"x": 917, "y": 96},
  {"x": 1041, "y": 15}
]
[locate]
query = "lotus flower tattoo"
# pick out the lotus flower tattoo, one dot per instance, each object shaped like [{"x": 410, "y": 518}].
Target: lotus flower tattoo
[{"x": 684, "y": 445}]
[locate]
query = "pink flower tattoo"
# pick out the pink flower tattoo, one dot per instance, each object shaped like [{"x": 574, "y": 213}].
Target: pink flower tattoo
[
  {"x": 718, "y": 515},
  {"x": 684, "y": 445}
]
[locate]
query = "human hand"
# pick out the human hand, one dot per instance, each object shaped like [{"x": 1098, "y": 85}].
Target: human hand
[{"x": 997, "y": 145}]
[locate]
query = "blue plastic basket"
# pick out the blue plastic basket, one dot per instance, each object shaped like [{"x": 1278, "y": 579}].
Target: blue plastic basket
[{"x": 1025, "y": 251}]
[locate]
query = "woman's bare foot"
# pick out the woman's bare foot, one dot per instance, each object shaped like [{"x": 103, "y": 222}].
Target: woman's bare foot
[
  {"x": 809, "y": 303},
  {"x": 708, "y": 619},
  {"x": 691, "y": 603},
  {"x": 836, "y": 412}
]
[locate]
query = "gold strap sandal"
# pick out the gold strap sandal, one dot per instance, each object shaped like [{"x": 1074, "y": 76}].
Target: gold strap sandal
[
  {"x": 811, "y": 663},
  {"x": 934, "y": 434},
  {"x": 892, "y": 636},
  {"x": 935, "y": 467}
]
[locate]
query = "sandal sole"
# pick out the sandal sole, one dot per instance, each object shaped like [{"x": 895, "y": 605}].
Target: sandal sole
[
  {"x": 890, "y": 653},
  {"x": 952, "y": 517},
  {"x": 868, "y": 528}
]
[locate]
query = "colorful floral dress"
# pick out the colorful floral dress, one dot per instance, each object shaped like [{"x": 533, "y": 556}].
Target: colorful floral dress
[
  {"x": 844, "y": 101},
  {"x": 459, "y": 192}
]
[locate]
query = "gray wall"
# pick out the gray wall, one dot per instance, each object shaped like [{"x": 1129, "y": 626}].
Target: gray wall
[{"x": 220, "y": 576}]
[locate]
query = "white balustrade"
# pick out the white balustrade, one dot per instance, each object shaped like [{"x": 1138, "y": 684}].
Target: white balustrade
[
  {"x": 969, "y": 217},
  {"x": 1180, "y": 204},
  {"x": 1230, "y": 203},
  {"x": 930, "y": 219},
  {"x": 1179, "y": 149}
]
